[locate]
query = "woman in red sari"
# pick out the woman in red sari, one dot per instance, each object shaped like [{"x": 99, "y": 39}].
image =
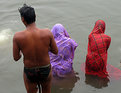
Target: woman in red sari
[{"x": 98, "y": 44}]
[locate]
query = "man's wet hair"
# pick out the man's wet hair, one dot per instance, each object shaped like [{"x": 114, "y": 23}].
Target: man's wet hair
[{"x": 28, "y": 13}]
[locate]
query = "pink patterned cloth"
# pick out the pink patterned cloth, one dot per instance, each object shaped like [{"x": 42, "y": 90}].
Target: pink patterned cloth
[{"x": 62, "y": 63}]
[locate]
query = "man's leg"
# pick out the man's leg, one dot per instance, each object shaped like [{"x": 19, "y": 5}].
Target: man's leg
[
  {"x": 46, "y": 85},
  {"x": 30, "y": 87}
]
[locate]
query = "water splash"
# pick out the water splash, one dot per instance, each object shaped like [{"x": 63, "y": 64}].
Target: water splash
[{"x": 5, "y": 35}]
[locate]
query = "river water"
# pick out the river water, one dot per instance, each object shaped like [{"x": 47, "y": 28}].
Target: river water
[{"x": 78, "y": 17}]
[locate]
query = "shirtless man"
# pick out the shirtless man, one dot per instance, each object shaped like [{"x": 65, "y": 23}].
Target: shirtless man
[{"x": 34, "y": 44}]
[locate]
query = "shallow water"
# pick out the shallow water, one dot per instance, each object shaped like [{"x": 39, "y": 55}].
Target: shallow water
[{"x": 78, "y": 17}]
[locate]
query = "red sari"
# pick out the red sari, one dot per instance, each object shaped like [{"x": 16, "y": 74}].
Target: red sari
[{"x": 98, "y": 44}]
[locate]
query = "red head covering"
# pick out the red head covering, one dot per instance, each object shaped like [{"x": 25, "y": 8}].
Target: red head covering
[
  {"x": 99, "y": 27},
  {"x": 98, "y": 44}
]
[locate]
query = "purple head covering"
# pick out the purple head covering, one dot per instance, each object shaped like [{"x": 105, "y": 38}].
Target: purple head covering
[
  {"x": 58, "y": 31},
  {"x": 62, "y": 63}
]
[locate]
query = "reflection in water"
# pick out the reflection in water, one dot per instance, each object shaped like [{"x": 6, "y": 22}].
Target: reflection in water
[
  {"x": 66, "y": 84},
  {"x": 96, "y": 81}
]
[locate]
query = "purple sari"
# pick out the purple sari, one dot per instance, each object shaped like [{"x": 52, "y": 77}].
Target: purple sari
[{"x": 62, "y": 63}]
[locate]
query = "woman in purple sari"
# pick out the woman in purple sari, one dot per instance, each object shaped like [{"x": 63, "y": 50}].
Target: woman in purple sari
[{"x": 62, "y": 63}]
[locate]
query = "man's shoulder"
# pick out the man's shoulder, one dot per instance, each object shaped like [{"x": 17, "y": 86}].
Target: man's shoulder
[
  {"x": 18, "y": 34},
  {"x": 46, "y": 31}
]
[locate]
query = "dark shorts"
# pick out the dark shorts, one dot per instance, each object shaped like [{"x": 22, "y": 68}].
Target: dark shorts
[{"x": 37, "y": 74}]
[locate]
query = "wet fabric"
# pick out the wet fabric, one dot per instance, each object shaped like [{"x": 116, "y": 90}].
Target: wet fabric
[
  {"x": 98, "y": 44},
  {"x": 96, "y": 59},
  {"x": 113, "y": 72},
  {"x": 38, "y": 74},
  {"x": 62, "y": 63}
]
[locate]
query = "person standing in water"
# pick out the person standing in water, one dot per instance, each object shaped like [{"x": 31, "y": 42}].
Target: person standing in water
[
  {"x": 98, "y": 44},
  {"x": 62, "y": 64},
  {"x": 34, "y": 44}
]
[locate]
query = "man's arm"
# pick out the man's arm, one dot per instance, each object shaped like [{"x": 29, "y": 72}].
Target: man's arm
[
  {"x": 53, "y": 46},
  {"x": 16, "y": 50}
]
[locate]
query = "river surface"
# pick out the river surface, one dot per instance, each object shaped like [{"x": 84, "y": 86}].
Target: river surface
[{"x": 78, "y": 17}]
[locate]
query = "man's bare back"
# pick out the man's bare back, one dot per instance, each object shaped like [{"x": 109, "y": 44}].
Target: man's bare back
[{"x": 35, "y": 43}]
